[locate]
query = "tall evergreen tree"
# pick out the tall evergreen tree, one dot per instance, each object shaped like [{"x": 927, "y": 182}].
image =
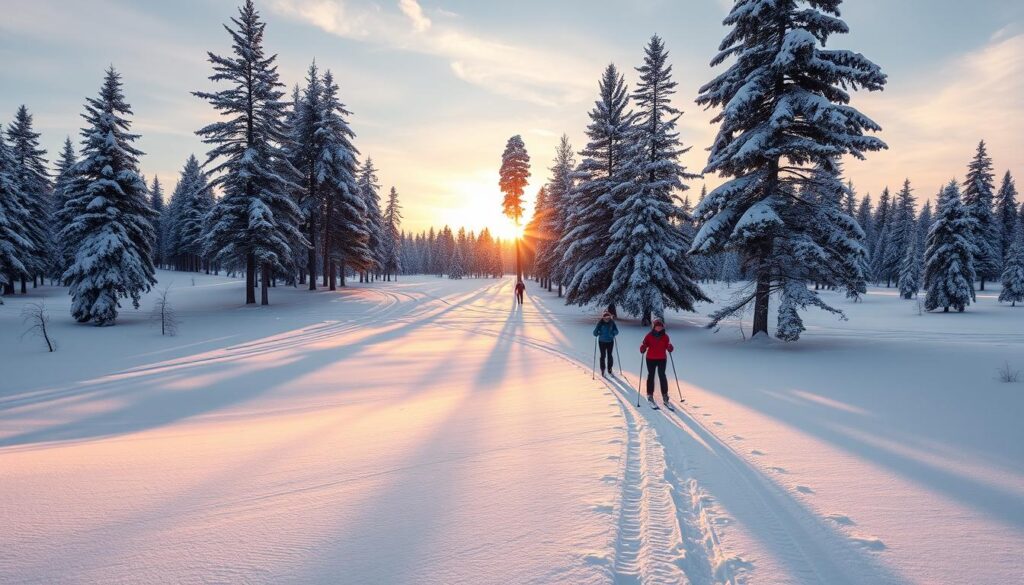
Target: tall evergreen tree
[
  {"x": 254, "y": 223},
  {"x": 555, "y": 221},
  {"x": 910, "y": 271},
  {"x": 193, "y": 209},
  {"x": 591, "y": 201},
  {"x": 647, "y": 251},
  {"x": 156, "y": 201},
  {"x": 866, "y": 222},
  {"x": 833, "y": 250},
  {"x": 949, "y": 260},
  {"x": 978, "y": 196},
  {"x": 924, "y": 223},
  {"x": 15, "y": 241},
  {"x": 307, "y": 113},
  {"x": 369, "y": 188},
  {"x": 1006, "y": 212},
  {"x": 879, "y": 246},
  {"x": 902, "y": 231},
  {"x": 514, "y": 172},
  {"x": 392, "y": 236},
  {"x": 33, "y": 178},
  {"x": 111, "y": 229},
  {"x": 785, "y": 108},
  {"x": 346, "y": 229},
  {"x": 1013, "y": 271},
  {"x": 61, "y": 257}
]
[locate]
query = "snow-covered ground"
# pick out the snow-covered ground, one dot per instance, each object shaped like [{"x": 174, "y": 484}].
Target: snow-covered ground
[{"x": 426, "y": 431}]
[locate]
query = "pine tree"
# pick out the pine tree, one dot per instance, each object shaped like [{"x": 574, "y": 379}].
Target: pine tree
[
  {"x": 369, "y": 189},
  {"x": 15, "y": 242},
  {"x": 866, "y": 222},
  {"x": 555, "y": 221},
  {"x": 1006, "y": 211},
  {"x": 392, "y": 263},
  {"x": 879, "y": 246},
  {"x": 515, "y": 170},
  {"x": 832, "y": 251},
  {"x": 978, "y": 198},
  {"x": 61, "y": 257},
  {"x": 111, "y": 229},
  {"x": 647, "y": 252},
  {"x": 307, "y": 112},
  {"x": 785, "y": 108},
  {"x": 156, "y": 201},
  {"x": 903, "y": 230},
  {"x": 590, "y": 203},
  {"x": 924, "y": 223},
  {"x": 254, "y": 223},
  {"x": 910, "y": 271},
  {"x": 1013, "y": 272},
  {"x": 949, "y": 260},
  {"x": 33, "y": 178},
  {"x": 193, "y": 203},
  {"x": 346, "y": 229}
]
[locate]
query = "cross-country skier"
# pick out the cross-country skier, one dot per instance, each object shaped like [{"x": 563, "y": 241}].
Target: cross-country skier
[
  {"x": 605, "y": 332},
  {"x": 655, "y": 344},
  {"x": 520, "y": 289}
]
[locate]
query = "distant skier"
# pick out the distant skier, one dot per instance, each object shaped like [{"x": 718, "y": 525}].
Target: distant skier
[
  {"x": 655, "y": 344},
  {"x": 520, "y": 289},
  {"x": 605, "y": 332}
]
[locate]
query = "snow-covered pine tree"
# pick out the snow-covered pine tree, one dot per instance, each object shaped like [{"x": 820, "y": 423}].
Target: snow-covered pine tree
[
  {"x": 533, "y": 234},
  {"x": 33, "y": 177},
  {"x": 254, "y": 223},
  {"x": 346, "y": 229},
  {"x": 554, "y": 224},
  {"x": 647, "y": 250},
  {"x": 1006, "y": 212},
  {"x": 949, "y": 259},
  {"x": 978, "y": 197},
  {"x": 902, "y": 229},
  {"x": 832, "y": 251},
  {"x": 866, "y": 222},
  {"x": 306, "y": 113},
  {"x": 590, "y": 202},
  {"x": 457, "y": 261},
  {"x": 514, "y": 172},
  {"x": 15, "y": 243},
  {"x": 924, "y": 223},
  {"x": 111, "y": 229},
  {"x": 785, "y": 107},
  {"x": 850, "y": 201},
  {"x": 64, "y": 176},
  {"x": 156, "y": 201},
  {"x": 910, "y": 270},
  {"x": 880, "y": 219},
  {"x": 196, "y": 202},
  {"x": 369, "y": 188},
  {"x": 1013, "y": 270},
  {"x": 392, "y": 236}
]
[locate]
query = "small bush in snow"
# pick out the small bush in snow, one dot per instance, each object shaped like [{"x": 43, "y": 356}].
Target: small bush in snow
[
  {"x": 1007, "y": 375},
  {"x": 164, "y": 314}
]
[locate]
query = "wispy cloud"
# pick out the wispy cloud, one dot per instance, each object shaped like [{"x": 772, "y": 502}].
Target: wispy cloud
[
  {"x": 532, "y": 74},
  {"x": 933, "y": 122}
]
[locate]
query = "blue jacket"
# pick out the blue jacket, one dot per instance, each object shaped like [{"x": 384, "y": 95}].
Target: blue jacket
[{"x": 606, "y": 332}]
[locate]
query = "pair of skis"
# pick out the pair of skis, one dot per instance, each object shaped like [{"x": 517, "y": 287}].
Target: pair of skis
[{"x": 654, "y": 405}]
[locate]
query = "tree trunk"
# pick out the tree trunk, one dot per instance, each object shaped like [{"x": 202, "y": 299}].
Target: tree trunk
[
  {"x": 331, "y": 267},
  {"x": 250, "y": 279},
  {"x": 264, "y": 298},
  {"x": 761, "y": 296},
  {"x": 311, "y": 258},
  {"x": 982, "y": 283}
]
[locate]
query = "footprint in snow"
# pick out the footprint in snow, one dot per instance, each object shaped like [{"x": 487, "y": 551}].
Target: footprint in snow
[
  {"x": 779, "y": 470},
  {"x": 718, "y": 424},
  {"x": 868, "y": 542},
  {"x": 756, "y": 452},
  {"x": 707, "y": 414},
  {"x": 610, "y": 479},
  {"x": 737, "y": 437},
  {"x": 613, "y": 458},
  {"x": 603, "y": 508},
  {"x": 804, "y": 489},
  {"x": 616, "y": 442},
  {"x": 841, "y": 519}
]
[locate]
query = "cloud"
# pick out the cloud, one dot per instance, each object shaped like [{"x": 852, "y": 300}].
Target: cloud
[
  {"x": 414, "y": 11},
  {"x": 933, "y": 121},
  {"x": 531, "y": 74}
]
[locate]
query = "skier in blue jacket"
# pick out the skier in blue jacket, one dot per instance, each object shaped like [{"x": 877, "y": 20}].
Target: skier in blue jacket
[{"x": 605, "y": 332}]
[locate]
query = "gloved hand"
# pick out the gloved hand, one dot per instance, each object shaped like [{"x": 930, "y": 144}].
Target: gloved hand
[
  {"x": 670, "y": 348},
  {"x": 643, "y": 349}
]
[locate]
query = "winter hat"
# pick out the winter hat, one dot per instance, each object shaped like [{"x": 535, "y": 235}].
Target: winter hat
[
  {"x": 657, "y": 322},
  {"x": 606, "y": 314}
]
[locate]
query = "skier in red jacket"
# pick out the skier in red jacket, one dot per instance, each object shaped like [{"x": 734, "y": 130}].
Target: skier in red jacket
[{"x": 655, "y": 344}]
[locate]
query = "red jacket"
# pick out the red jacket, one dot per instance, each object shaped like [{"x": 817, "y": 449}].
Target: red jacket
[{"x": 656, "y": 346}]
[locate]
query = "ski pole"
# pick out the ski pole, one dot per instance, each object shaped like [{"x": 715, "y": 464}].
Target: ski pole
[
  {"x": 674, "y": 375},
  {"x": 640, "y": 380},
  {"x": 617, "y": 357},
  {"x": 593, "y": 367}
]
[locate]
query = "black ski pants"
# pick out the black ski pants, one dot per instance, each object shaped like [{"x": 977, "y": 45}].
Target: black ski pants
[
  {"x": 659, "y": 366},
  {"x": 607, "y": 348}
]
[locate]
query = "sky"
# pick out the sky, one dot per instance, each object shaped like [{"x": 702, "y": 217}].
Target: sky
[{"x": 437, "y": 87}]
